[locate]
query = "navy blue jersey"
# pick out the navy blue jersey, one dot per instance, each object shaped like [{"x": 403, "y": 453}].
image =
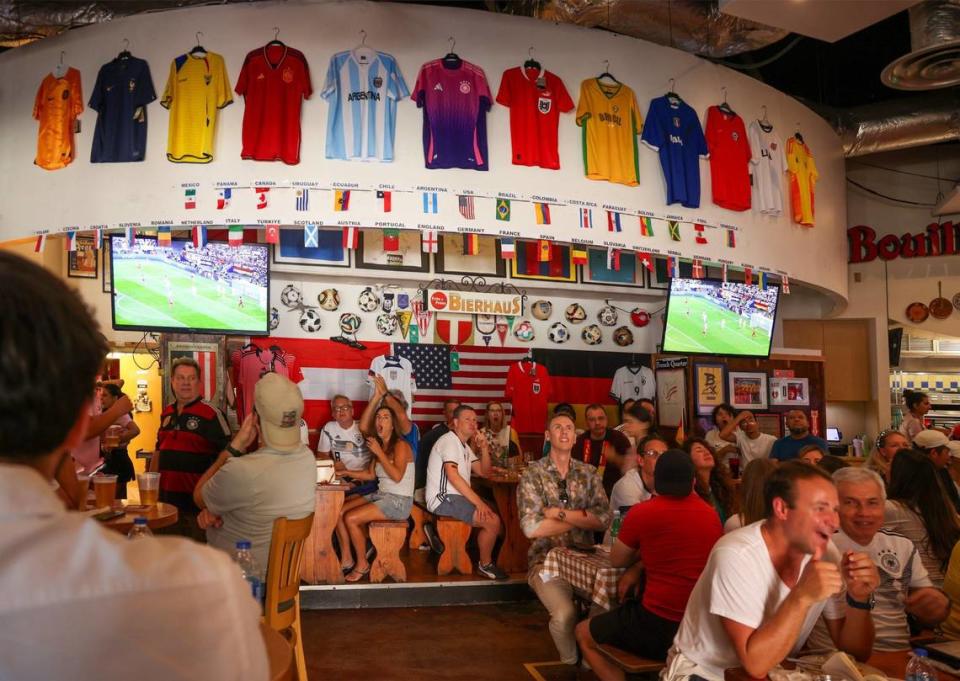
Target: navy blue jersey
[
  {"x": 120, "y": 97},
  {"x": 673, "y": 129}
]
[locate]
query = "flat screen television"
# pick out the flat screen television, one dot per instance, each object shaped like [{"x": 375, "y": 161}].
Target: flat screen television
[
  {"x": 705, "y": 316},
  {"x": 215, "y": 289}
]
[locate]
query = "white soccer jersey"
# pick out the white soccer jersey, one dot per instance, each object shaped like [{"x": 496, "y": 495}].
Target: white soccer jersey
[
  {"x": 633, "y": 383},
  {"x": 362, "y": 87},
  {"x": 769, "y": 161},
  {"x": 398, "y": 374}
]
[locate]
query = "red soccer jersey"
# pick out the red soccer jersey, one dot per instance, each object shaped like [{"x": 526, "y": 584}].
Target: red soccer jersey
[
  {"x": 528, "y": 389},
  {"x": 729, "y": 159},
  {"x": 274, "y": 81},
  {"x": 248, "y": 365},
  {"x": 534, "y": 114}
]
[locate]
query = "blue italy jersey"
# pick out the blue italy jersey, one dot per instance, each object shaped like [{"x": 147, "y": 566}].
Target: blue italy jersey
[
  {"x": 120, "y": 97},
  {"x": 673, "y": 129},
  {"x": 362, "y": 87}
]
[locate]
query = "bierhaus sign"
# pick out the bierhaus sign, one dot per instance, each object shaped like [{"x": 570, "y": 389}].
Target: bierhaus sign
[
  {"x": 471, "y": 302},
  {"x": 937, "y": 239}
]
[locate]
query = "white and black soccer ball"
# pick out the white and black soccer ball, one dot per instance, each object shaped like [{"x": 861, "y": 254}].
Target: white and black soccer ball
[
  {"x": 310, "y": 320},
  {"x": 369, "y": 300},
  {"x": 349, "y": 323},
  {"x": 607, "y": 316},
  {"x": 291, "y": 296},
  {"x": 386, "y": 323},
  {"x": 329, "y": 299},
  {"x": 274, "y": 318},
  {"x": 592, "y": 335},
  {"x": 559, "y": 333}
]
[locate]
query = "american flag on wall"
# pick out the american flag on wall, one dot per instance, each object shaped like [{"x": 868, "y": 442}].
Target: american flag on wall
[{"x": 208, "y": 370}]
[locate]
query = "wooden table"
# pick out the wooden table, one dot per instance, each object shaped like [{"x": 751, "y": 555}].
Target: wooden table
[
  {"x": 161, "y": 515},
  {"x": 513, "y": 551},
  {"x": 320, "y": 563},
  {"x": 279, "y": 654},
  {"x": 893, "y": 664}
]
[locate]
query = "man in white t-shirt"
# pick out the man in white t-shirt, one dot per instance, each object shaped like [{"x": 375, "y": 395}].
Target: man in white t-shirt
[
  {"x": 448, "y": 491},
  {"x": 745, "y": 432},
  {"x": 765, "y": 586},
  {"x": 342, "y": 440},
  {"x": 636, "y": 485}
]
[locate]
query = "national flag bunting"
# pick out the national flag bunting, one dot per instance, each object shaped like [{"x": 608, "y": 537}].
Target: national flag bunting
[
  {"x": 40, "y": 244},
  {"x": 465, "y": 202},
  {"x": 646, "y": 226},
  {"x": 311, "y": 236},
  {"x": 723, "y": 269},
  {"x": 748, "y": 276},
  {"x": 700, "y": 233},
  {"x": 190, "y": 198},
  {"x": 272, "y": 234},
  {"x": 613, "y": 259},
  {"x": 386, "y": 200},
  {"x": 673, "y": 266},
  {"x": 762, "y": 281},
  {"x": 586, "y": 218},
  {"x": 71, "y": 241},
  {"x": 97, "y": 238},
  {"x": 303, "y": 200},
  {"x": 508, "y": 248},
  {"x": 131, "y": 234},
  {"x": 503, "y": 210},
  {"x": 613, "y": 221},
  {"x": 578, "y": 254},
  {"x": 430, "y": 202},
  {"x": 697, "y": 268},
  {"x": 784, "y": 284},
  {"x": 674, "y": 227},
  {"x": 544, "y": 250},
  {"x": 235, "y": 235},
  {"x": 731, "y": 239},
  {"x": 199, "y": 235},
  {"x": 542, "y": 211},
  {"x": 391, "y": 240},
  {"x": 471, "y": 244},
  {"x": 341, "y": 200},
  {"x": 428, "y": 241},
  {"x": 223, "y": 197},
  {"x": 351, "y": 238},
  {"x": 163, "y": 236},
  {"x": 646, "y": 260},
  {"x": 263, "y": 197}
]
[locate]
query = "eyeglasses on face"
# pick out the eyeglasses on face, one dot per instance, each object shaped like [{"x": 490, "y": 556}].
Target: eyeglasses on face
[
  {"x": 652, "y": 453},
  {"x": 343, "y": 407},
  {"x": 564, "y": 497}
]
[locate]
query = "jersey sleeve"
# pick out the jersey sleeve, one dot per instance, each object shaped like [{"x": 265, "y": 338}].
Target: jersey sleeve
[
  {"x": 744, "y": 144},
  {"x": 652, "y": 132},
  {"x": 504, "y": 93},
  {"x": 325, "y": 443},
  {"x": 698, "y": 139},
  {"x": 635, "y": 114},
  {"x": 583, "y": 106},
  {"x": 564, "y": 102},
  {"x": 397, "y": 87},
  {"x": 814, "y": 173},
  {"x": 306, "y": 87},
  {"x": 483, "y": 91},
  {"x": 168, "y": 90},
  {"x": 224, "y": 96},
  {"x": 710, "y": 136},
  {"x": 241, "y": 88},
  {"x": 420, "y": 87},
  {"x": 616, "y": 388},
  {"x": 510, "y": 387},
  {"x": 145, "y": 91},
  {"x": 753, "y": 139},
  {"x": 330, "y": 82},
  {"x": 77, "y": 100}
]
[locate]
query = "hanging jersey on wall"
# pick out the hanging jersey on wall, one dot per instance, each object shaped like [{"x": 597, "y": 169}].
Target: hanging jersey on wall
[
  {"x": 197, "y": 88},
  {"x": 124, "y": 88},
  {"x": 455, "y": 102},
  {"x": 58, "y": 103},
  {"x": 274, "y": 81},
  {"x": 673, "y": 130},
  {"x": 769, "y": 164},
  {"x": 362, "y": 87},
  {"x": 610, "y": 121},
  {"x": 729, "y": 159},
  {"x": 397, "y": 373},
  {"x": 528, "y": 388},
  {"x": 249, "y": 364},
  {"x": 536, "y": 99},
  {"x": 803, "y": 177},
  {"x": 632, "y": 383}
]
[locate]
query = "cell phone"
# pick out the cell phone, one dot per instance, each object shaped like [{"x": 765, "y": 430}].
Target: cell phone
[{"x": 109, "y": 515}]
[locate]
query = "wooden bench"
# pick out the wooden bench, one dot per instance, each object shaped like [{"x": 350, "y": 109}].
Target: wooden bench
[
  {"x": 629, "y": 662},
  {"x": 420, "y": 516},
  {"x": 388, "y": 537},
  {"x": 454, "y": 535}
]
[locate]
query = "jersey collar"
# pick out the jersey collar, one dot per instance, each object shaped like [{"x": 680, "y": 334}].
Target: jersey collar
[{"x": 266, "y": 58}]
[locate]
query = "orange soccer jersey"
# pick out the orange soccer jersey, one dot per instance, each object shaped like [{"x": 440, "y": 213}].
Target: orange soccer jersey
[
  {"x": 59, "y": 101},
  {"x": 803, "y": 176}
]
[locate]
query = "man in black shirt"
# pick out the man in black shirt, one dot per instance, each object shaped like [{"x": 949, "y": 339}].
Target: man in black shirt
[{"x": 601, "y": 447}]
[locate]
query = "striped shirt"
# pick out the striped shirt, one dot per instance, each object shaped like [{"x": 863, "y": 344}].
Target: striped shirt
[
  {"x": 188, "y": 442},
  {"x": 448, "y": 449}
]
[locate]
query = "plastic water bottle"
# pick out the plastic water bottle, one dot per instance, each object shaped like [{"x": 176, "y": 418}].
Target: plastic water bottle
[
  {"x": 615, "y": 527},
  {"x": 248, "y": 566},
  {"x": 139, "y": 529},
  {"x": 919, "y": 667}
]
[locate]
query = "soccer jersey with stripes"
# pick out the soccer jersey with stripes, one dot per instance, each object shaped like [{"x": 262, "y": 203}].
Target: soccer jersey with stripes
[
  {"x": 449, "y": 449},
  {"x": 188, "y": 442}
]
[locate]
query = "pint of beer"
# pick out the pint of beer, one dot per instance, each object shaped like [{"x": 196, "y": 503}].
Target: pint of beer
[
  {"x": 111, "y": 437},
  {"x": 149, "y": 485},
  {"x": 104, "y": 489}
]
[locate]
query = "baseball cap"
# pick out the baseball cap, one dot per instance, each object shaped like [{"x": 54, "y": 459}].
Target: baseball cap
[
  {"x": 930, "y": 439},
  {"x": 279, "y": 404},
  {"x": 954, "y": 447},
  {"x": 673, "y": 475}
]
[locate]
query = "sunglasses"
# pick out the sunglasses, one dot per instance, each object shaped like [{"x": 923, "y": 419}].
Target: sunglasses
[{"x": 564, "y": 497}]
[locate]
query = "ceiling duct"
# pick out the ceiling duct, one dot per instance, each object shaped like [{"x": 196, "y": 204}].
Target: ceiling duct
[{"x": 934, "y": 61}]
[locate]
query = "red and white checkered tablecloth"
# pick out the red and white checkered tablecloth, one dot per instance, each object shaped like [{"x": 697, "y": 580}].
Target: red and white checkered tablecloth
[{"x": 591, "y": 574}]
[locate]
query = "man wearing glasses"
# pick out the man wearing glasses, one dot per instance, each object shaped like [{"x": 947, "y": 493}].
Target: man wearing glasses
[
  {"x": 636, "y": 485},
  {"x": 562, "y": 503},
  {"x": 745, "y": 432}
]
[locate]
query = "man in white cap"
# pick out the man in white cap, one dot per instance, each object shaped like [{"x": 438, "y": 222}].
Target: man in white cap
[
  {"x": 244, "y": 491},
  {"x": 936, "y": 445}
]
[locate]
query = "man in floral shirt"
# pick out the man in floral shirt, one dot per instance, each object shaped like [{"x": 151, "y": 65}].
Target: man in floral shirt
[{"x": 561, "y": 502}]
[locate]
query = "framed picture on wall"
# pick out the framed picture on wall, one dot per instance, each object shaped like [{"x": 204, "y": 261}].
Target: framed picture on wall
[
  {"x": 408, "y": 258},
  {"x": 659, "y": 279},
  {"x": 596, "y": 270},
  {"x": 709, "y": 387},
  {"x": 530, "y": 264},
  {"x": 83, "y": 262},
  {"x": 789, "y": 392},
  {"x": 209, "y": 354},
  {"x": 771, "y": 424},
  {"x": 329, "y": 251},
  {"x": 748, "y": 390},
  {"x": 450, "y": 258}
]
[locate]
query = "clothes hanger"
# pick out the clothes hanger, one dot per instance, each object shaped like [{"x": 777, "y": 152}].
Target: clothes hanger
[
  {"x": 531, "y": 63},
  {"x": 670, "y": 93},
  {"x": 451, "y": 58},
  {"x": 765, "y": 122},
  {"x": 276, "y": 38},
  {"x": 724, "y": 107},
  {"x": 199, "y": 50},
  {"x": 606, "y": 73},
  {"x": 798, "y": 135},
  {"x": 125, "y": 52},
  {"x": 59, "y": 69}
]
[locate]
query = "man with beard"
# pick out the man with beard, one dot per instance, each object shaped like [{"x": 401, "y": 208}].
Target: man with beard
[{"x": 789, "y": 446}]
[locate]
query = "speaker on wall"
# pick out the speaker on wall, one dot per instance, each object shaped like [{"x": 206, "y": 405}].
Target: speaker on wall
[{"x": 894, "y": 338}]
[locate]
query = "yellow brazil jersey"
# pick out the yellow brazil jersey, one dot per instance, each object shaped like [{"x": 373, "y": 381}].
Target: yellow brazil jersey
[
  {"x": 58, "y": 103},
  {"x": 610, "y": 120},
  {"x": 196, "y": 89},
  {"x": 803, "y": 176}
]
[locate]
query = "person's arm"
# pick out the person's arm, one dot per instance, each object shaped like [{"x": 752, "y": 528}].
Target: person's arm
[
  {"x": 404, "y": 425},
  {"x": 729, "y": 431},
  {"x": 622, "y": 556},
  {"x": 484, "y": 466},
  {"x": 401, "y": 459},
  {"x": 245, "y": 437},
  {"x": 929, "y": 605},
  {"x": 70, "y": 488},
  {"x": 100, "y": 422},
  {"x": 366, "y": 426},
  {"x": 130, "y": 431},
  {"x": 368, "y": 473}
]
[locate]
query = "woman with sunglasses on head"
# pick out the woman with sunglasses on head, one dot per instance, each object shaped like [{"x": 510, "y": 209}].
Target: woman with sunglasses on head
[
  {"x": 888, "y": 443},
  {"x": 713, "y": 478}
]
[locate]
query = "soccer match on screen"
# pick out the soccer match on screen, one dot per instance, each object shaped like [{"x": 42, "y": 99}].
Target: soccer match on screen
[
  {"x": 718, "y": 318},
  {"x": 217, "y": 287}
]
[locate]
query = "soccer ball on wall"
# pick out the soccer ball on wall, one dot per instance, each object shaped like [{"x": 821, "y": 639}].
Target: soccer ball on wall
[
  {"x": 559, "y": 333},
  {"x": 369, "y": 300},
  {"x": 386, "y": 323},
  {"x": 310, "y": 321},
  {"x": 291, "y": 296},
  {"x": 274, "y": 318},
  {"x": 329, "y": 299},
  {"x": 607, "y": 316},
  {"x": 349, "y": 323},
  {"x": 592, "y": 335}
]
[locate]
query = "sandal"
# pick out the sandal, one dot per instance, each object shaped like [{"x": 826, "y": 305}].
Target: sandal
[
  {"x": 347, "y": 569},
  {"x": 357, "y": 575}
]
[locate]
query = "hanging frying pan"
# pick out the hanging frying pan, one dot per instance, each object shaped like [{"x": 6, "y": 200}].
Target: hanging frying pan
[
  {"x": 917, "y": 312},
  {"x": 940, "y": 307}
]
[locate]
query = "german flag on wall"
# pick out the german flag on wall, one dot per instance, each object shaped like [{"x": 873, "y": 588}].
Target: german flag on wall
[{"x": 471, "y": 244}]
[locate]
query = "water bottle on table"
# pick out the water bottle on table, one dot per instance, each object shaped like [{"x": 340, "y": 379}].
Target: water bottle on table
[
  {"x": 615, "y": 527},
  {"x": 248, "y": 566},
  {"x": 140, "y": 529},
  {"x": 919, "y": 667}
]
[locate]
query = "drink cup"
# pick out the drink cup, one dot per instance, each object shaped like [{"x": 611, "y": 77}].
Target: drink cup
[
  {"x": 111, "y": 437},
  {"x": 104, "y": 489},
  {"x": 735, "y": 467},
  {"x": 149, "y": 486}
]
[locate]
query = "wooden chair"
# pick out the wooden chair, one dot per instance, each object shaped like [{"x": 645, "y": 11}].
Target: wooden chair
[
  {"x": 629, "y": 662},
  {"x": 454, "y": 535},
  {"x": 282, "y": 610},
  {"x": 388, "y": 537},
  {"x": 420, "y": 516}
]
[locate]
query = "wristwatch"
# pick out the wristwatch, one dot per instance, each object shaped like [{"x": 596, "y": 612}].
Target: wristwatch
[
  {"x": 561, "y": 515},
  {"x": 234, "y": 451},
  {"x": 870, "y": 603}
]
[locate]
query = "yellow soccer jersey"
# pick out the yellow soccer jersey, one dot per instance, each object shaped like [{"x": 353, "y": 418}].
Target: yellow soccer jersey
[
  {"x": 803, "y": 176},
  {"x": 611, "y": 121},
  {"x": 196, "y": 88},
  {"x": 58, "y": 103}
]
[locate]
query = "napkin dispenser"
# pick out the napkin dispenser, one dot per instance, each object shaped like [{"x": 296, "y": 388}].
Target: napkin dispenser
[{"x": 325, "y": 471}]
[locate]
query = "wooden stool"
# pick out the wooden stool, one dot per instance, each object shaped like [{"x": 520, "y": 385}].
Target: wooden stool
[
  {"x": 387, "y": 536},
  {"x": 454, "y": 535},
  {"x": 420, "y": 516},
  {"x": 629, "y": 662}
]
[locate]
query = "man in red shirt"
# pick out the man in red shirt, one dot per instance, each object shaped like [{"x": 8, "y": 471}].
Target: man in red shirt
[{"x": 670, "y": 536}]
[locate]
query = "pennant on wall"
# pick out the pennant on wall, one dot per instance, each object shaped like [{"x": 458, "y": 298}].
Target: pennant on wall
[
  {"x": 351, "y": 238},
  {"x": 163, "y": 236},
  {"x": 190, "y": 198},
  {"x": 466, "y": 206},
  {"x": 430, "y": 204},
  {"x": 386, "y": 200},
  {"x": 503, "y": 210},
  {"x": 542, "y": 212},
  {"x": 303, "y": 200},
  {"x": 223, "y": 197},
  {"x": 700, "y": 234},
  {"x": 40, "y": 244},
  {"x": 422, "y": 315},
  {"x": 235, "y": 235},
  {"x": 404, "y": 317},
  {"x": 453, "y": 331},
  {"x": 508, "y": 248},
  {"x": 272, "y": 234},
  {"x": 646, "y": 226},
  {"x": 391, "y": 240},
  {"x": 785, "y": 284},
  {"x": 428, "y": 241},
  {"x": 471, "y": 244},
  {"x": 697, "y": 268},
  {"x": 674, "y": 228},
  {"x": 586, "y": 218},
  {"x": 71, "y": 241},
  {"x": 311, "y": 236},
  {"x": 613, "y": 221},
  {"x": 263, "y": 197},
  {"x": 341, "y": 200},
  {"x": 731, "y": 239}
]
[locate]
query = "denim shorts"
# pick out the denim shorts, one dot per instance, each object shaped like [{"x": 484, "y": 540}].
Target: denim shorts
[
  {"x": 393, "y": 506},
  {"x": 457, "y": 506}
]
